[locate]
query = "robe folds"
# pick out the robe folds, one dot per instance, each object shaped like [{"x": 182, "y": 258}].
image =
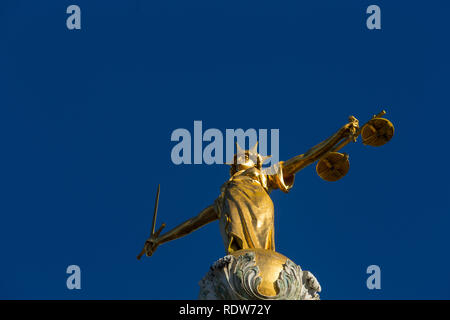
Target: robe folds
[{"x": 245, "y": 209}]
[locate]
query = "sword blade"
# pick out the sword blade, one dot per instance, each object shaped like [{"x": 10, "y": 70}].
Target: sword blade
[{"x": 155, "y": 211}]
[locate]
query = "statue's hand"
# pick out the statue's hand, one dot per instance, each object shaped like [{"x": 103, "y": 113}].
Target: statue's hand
[
  {"x": 150, "y": 245},
  {"x": 353, "y": 127}
]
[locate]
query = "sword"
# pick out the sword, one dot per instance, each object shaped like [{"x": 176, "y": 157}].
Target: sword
[{"x": 152, "y": 233}]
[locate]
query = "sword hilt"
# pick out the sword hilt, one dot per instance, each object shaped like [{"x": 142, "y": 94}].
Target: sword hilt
[{"x": 156, "y": 235}]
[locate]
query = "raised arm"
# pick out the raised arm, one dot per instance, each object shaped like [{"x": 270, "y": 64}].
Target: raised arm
[
  {"x": 294, "y": 165},
  {"x": 206, "y": 216}
]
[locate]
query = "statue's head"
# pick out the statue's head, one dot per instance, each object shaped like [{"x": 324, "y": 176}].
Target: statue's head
[{"x": 246, "y": 159}]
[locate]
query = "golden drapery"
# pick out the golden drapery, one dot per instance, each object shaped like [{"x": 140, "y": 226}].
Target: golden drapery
[{"x": 246, "y": 211}]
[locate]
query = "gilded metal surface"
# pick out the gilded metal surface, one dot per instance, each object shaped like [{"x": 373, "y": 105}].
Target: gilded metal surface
[
  {"x": 333, "y": 166},
  {"x": 258, "y": 274},
  {"x": 377, "y": 132},
  {"x": 270, "y": 264},
  {"x": 244, "y": 208}
]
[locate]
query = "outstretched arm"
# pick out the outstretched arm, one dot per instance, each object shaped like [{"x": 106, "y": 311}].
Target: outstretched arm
[
  {"x": 206, "y": 216},
  {"x": 294, "y": 165}
]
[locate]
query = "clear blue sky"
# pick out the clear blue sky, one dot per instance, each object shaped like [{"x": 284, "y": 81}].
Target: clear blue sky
[{"x": 86, "y": 118}]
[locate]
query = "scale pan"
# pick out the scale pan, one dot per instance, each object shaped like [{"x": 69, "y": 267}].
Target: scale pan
[
  {"x": 377, "y": 132},
  {"x": 333, "y": 166}
]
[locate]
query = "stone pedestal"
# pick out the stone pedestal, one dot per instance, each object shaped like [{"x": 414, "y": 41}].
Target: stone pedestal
[{"x": 258, "y": 274}]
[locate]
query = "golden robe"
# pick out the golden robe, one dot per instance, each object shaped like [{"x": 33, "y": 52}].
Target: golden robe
[{"x": 245, "y": 209}]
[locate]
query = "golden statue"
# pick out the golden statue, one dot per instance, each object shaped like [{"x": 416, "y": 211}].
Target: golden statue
[{"x": 244, "y": 208}]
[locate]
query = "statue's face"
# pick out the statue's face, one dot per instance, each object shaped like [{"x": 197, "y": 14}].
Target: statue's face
[
  {"x": 245, "y": 166},
  {"x": 245, "y": 162}
]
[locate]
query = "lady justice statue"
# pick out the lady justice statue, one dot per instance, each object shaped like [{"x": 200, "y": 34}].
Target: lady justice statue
[{"x": 252, "y": 268}]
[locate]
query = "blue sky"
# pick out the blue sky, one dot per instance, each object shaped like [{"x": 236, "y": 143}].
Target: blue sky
[{"x": 86, "y": 117}]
